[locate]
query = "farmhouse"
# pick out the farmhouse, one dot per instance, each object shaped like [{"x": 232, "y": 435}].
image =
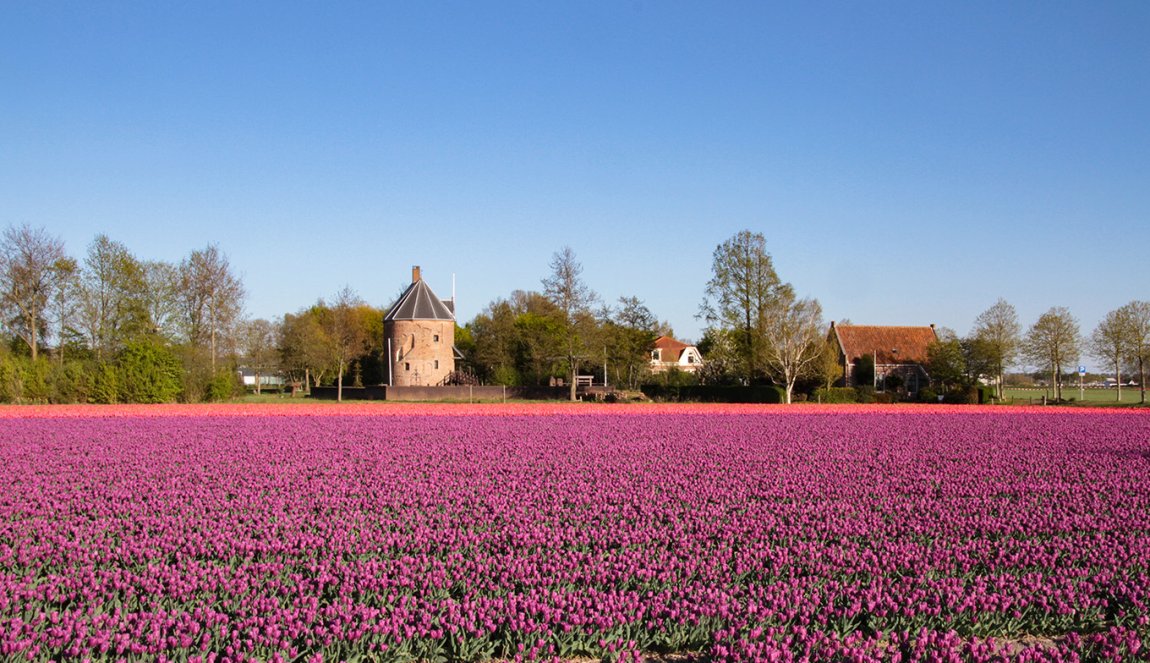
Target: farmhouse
[
  {"x": 900, "y": 351},
  {"x": 419, "y": 330},
  {"x": 667, "y": 354}
]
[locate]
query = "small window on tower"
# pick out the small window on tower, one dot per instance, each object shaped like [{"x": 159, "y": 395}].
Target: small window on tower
[
  {"x": 407, "y": 366},
  {"x": 435, "y": 338},
  {"x": 437, "y": 364}
]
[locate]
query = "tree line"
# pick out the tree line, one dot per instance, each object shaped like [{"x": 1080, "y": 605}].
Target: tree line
[
  {"x": 1054, "y": 344},
  {"x": 759, "y": 331},
  {"x": 111, "y": 327}
]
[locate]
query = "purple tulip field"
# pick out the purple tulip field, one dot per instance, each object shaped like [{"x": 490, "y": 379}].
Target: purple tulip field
[{"x": 692, "y": 534}]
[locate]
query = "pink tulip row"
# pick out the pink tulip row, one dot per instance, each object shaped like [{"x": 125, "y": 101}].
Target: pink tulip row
[{"x": 740, "y": 534}]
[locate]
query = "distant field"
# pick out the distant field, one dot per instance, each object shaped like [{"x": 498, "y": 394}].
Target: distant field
[{"x": 1094, "y": 395}]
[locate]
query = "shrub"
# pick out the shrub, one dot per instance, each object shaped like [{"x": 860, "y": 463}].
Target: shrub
[
  {"x": 886, "y": 397},
  {"x": 836, "y": 395},
  {"x": 10, "y": 386},
  {"x": 147, "y": 372},
  {"x": 715, "y": 393},
  {"x": 962, "y": 396},
  {"x": 225, "y": 385},
  {"x": 70, "y": 382},
  {"x": 986, "y": 394},
  {"x": 104, "y": 385},
  {"x": 35, "y": 380}
]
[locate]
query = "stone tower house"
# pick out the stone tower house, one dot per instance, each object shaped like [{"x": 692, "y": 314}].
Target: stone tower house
[{"x": 419, "y": 330}]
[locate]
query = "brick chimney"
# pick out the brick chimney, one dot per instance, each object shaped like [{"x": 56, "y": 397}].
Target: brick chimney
[{"x": 415, "y": 274}]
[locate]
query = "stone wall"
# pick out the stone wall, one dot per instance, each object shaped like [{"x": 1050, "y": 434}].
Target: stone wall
[{"x": 461, "y": 394}]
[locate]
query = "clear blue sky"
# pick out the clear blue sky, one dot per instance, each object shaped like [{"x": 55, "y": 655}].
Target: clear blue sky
[{"x": 908, "y": 162}]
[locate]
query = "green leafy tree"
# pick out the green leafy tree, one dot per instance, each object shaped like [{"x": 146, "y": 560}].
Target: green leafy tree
[
  {"x": 863, "y": 372},
  {"x": 494, "y": 337},
  {"x": 147, "y": 372},
  {"x": 946, "y": 362},
  {"x": 980, "y": 358},
  {"x": 720, "y": 357},
  {"x": 743, "y": 293},
  {"x": 540, "y": 346},
  {"x": 830, "y": 371},
  {"x": 517, "y": 340},
  {"x": 105, "y": 384},
  {"x": 303, "y": 347}
]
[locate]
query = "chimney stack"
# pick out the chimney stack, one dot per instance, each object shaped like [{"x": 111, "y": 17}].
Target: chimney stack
[{"x": 415, "y": 274}]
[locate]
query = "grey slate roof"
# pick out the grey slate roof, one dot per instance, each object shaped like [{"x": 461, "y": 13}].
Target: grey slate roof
[{"x": 418, "y": 302}]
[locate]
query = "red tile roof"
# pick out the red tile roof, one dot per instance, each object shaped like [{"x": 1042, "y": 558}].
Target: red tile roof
[
  {"x": 892, "y": 345},
  {"x": 671, "y": 348}
]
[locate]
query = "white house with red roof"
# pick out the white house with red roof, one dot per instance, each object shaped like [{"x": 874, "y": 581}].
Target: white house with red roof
[{"x": 667, "y": 354}]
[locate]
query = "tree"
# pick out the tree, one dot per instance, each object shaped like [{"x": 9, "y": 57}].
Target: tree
[
  {"x": 1051, "y": 343},
  {"x": 258, "y": 342},
  {"x": 981, "y": 359},
  {"x": 573, "y": 300},
  {"x": 346, "y": 332},
  {"x": 1112, "y": 341},
  {"x": 517, "y": 340},
  {"x": 946, "y": 361},
  {"x": 147, "y": 372},
  {"x": 161, "y": 299},
  {"x": 719, "y": 349},
  {"x": 829, "y": 369},
  {"x": 211, "y": 299},
  {"x": 64, "y": 304},
  {"x": 112, "y": 297},
  {"x": 28, "y": 281},
  {"x": 863, "y": 372},
  {"x": 793, "y": 329},
  {"x": 740, "y": 297},
  {"x": 629, "y": 332},
  {"x": 999, "y": 333},
  {"x": 303, "y": 346},
  {"x": 494, "y": 336},
  {"x": 1137, "y": 314}
]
